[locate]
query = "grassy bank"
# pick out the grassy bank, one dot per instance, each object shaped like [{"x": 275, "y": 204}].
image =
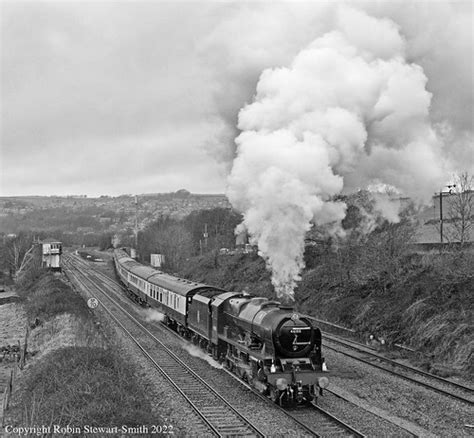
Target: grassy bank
[
  {"x": 75, "y": 376},
  {"x": 427, "y": 303},
  {"x": 83, "y": 386},
  {"x": 48, "y": 297}
]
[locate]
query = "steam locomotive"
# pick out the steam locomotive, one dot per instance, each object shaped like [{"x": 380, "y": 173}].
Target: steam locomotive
[{"x": 265, "y": 343}]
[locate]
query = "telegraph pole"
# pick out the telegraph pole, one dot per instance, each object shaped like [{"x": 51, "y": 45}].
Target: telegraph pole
[
  {"x": 136, "y": 226},
  {"x": 441, "y": 216},
  {"x": 450, "y": 187}
]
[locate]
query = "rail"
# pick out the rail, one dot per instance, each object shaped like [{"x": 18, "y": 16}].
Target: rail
[{"x": 463, "y": 391}]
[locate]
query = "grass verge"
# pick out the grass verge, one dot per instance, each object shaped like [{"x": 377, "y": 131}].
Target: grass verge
[
  {"x": 83, "y": 386},
  {"x": 76, "y": 378},
  {"x": 49, "y": 297}
]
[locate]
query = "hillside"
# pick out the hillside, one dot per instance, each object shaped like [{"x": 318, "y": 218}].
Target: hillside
[
  {"x": 430, "y": 303},
  {"x": 73, "y": 217},
  {"x": 96, "y": 221},
  {"x": 104, "y": 214}
]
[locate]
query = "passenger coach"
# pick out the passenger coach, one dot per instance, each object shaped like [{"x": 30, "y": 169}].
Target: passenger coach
[{"x": 170, "y": 295}]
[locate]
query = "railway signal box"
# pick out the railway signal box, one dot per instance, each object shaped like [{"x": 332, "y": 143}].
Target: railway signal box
[{"x": 51, "y": 251}]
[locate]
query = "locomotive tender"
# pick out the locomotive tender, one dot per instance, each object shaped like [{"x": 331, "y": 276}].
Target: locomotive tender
[{"x": 266, "y": 344}]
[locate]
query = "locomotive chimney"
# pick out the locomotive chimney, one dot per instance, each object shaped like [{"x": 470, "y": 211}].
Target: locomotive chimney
[{"x": 288, "y": 307}]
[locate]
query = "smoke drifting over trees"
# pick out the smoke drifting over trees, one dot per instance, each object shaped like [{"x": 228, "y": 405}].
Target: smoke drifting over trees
[{"x": 349, "y": 111}]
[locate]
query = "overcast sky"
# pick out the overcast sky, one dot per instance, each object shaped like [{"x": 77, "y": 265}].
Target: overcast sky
[{"x": 129, "y": 97}]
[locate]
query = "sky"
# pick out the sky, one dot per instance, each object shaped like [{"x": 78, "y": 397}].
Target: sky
[{"x": 107, "y": 98}]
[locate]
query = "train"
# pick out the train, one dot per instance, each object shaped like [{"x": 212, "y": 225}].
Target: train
[{"x": 265, "y": 343}]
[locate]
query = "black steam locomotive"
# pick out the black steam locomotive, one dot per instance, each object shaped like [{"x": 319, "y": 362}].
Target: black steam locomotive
[{"x": 266, "y": 344}]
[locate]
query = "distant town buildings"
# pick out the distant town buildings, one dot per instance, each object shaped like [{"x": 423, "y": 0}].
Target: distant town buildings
[{"x": 106, "y": 213}]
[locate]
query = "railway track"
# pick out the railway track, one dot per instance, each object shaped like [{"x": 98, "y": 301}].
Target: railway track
[
  {"x": 311, "y": 418},
  {"x": 218, "y": 416},
  {"x": 368, "y": 356},
  {"x": 348, "y": 333},
  {"x": 328, "y": 424}
]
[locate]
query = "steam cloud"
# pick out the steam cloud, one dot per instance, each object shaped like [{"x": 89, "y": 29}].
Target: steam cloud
[
  {"x": 348, "y": 112},
  {"x": 152, "y": 315},
  {"x": 197, "y": 352}
]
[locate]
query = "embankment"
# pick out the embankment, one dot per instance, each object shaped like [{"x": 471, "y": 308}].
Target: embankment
[
  {"x": 428, "y": 305},
  {"x": 73, "y": 376}
]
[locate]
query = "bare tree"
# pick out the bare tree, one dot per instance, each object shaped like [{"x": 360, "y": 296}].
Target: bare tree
[
  {"x": 460, "y": 210},
  {"x": 16, "y": 250},
  {"x": 168, "y": 237},
  {"x": 177, "y": 245},
  {"x": 384, "y": 255}
]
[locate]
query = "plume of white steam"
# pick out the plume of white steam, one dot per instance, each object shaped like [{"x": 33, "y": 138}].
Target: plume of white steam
[
  {"x": 347, "y": 112},
  {"x": 197, "y": 352},
  {"x": 378, "y": 203},
  {"x": 152, "y": 315},
  {"x": 386, "y": 201}
]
